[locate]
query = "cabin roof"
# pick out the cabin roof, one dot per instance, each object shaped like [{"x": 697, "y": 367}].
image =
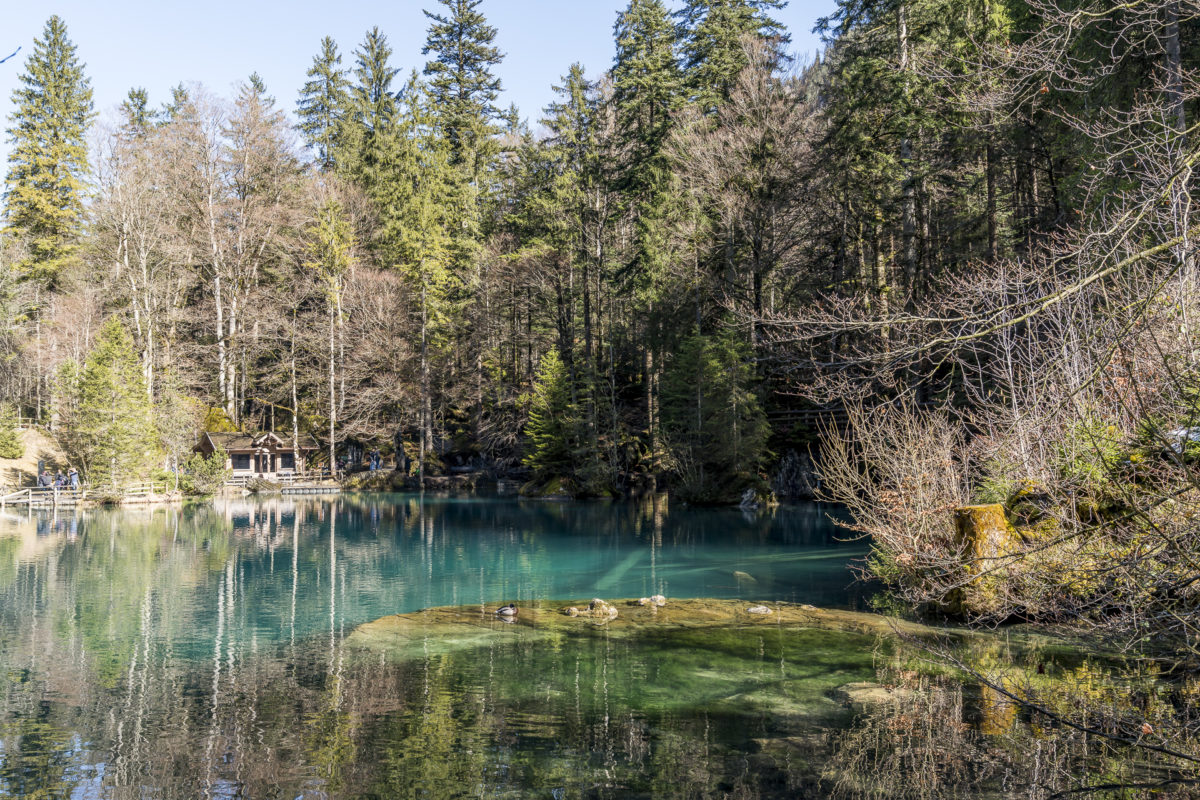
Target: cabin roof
[{"x": 252, "y": 442}]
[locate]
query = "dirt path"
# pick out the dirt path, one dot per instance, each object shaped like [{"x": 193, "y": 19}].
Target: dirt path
[{"x": 18, "y": 472}]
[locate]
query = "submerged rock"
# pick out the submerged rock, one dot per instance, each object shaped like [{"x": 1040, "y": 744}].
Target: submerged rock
[
  {"x": 464, "y": 627},
  {"x": 867, "y": 693},
  {"x": 758, "y": 610}
]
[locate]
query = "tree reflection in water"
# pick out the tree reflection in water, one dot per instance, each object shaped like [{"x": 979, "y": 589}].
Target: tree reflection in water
[{"x": 202, "y": 653}]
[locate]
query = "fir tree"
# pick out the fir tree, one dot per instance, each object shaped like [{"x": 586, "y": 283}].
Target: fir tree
[
  {"x": 461, "y": 82},
  {"x": 323, "y": 104},
  {"x": 48, "y": 159},
  {"x": 113, "y": 425}
]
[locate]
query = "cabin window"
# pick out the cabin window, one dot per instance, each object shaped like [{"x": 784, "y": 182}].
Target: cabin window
[
  {"x": 287, "y": 461},
  {"x": 241, "y": 461}
]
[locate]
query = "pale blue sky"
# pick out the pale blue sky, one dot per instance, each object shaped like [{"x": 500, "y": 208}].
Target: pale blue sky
[{"x": 158, "y": 43}]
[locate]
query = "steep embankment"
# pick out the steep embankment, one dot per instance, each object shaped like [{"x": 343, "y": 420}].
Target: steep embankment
[{"x": 38, "y": 447}]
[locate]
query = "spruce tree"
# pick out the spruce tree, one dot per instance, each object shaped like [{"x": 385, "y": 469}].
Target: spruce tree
[
  {"x": 323, "y": 104},
  {"x": 11, "y": 445},
  {"x": 366, "y": 129},
  {"x": 179, "y": 98},
  {"x": 646, "y": 89},
  {"x": 554, "y": 424},
  {"x": 139, "y": 118},
  {"x": 48, "y": 159},
  {"x": 714, "y": 40},
  {"x": 716, "y": 429},
  {"x": 113, "y": 421},
  {"x": 461, "y": 82}
]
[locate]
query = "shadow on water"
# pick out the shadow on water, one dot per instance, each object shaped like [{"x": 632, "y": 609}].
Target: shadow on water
[{"x": 202, "y": 652}]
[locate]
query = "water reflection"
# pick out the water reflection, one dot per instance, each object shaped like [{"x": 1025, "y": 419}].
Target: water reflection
[
  {"x": 203, "y": 652},
  {"x": 199, "y": 650}
]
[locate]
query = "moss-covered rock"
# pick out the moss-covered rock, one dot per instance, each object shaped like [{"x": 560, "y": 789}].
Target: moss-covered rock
[{"x": 984, "y": 539}]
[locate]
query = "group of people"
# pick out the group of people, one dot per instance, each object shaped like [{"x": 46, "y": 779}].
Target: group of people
[{"x": 59, "y": 480}]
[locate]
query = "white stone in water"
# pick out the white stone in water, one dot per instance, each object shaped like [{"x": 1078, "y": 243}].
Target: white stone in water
[
  {"x": 758, "y": 610},
  {"x": 644, "y": 601},
  {"x": 658, "y": 600},
  {"x": 596, "y": 601},
  {"x": 572, "y": 612}
]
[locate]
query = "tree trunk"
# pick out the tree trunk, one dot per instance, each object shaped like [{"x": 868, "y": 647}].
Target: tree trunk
[
  {"x": 908, "y": 187},
  {"x": 332, "y": 395}
]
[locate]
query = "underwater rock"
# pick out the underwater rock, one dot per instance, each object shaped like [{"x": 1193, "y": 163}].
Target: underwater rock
[
  {"x": 743, "y": 577},
  {"x": 758, "y": 610},
  {"x": 866, "y": 693},
  {"x": 456, "y": 628},
  {"x": 658, "y": 600}
]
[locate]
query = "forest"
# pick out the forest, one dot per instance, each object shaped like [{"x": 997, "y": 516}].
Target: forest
[{"x": 950, "y": 260}]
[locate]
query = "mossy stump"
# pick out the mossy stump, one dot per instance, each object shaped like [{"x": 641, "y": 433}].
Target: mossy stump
[{"x": 983, "y": 538}]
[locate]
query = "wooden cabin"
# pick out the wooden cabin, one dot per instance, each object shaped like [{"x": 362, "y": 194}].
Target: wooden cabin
[{"x": 260, "y": 455}]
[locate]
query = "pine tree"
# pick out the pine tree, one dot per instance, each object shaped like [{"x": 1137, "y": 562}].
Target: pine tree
[
  {"x": 414, "y": 237},
  {"x": 113, "y": 420},
  {"x": 461, "y": 82},
  {"x": 323, "y": 104},
  {"x": 715, "y": 34},
  {"x": 48, "y": 160}
]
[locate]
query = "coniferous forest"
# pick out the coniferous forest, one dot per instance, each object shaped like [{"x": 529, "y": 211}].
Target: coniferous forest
[{"x": 950, "y": 260}]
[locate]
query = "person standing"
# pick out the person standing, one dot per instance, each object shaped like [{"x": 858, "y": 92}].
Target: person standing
[{"x": 73, "y": 474}]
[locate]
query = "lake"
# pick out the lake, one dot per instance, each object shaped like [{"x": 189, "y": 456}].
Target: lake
[
  {"x": 221, "y": 650},
  {"x": 198, "y": 651}
]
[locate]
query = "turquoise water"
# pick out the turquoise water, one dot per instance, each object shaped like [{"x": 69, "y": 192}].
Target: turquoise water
[{"x": 198, "y": 651}]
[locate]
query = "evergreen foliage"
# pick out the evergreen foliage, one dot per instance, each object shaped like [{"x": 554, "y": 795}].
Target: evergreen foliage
[
  {"x": 365, "y": 132},
  {"x": 323, "y": 104},
  {"x": 715, "y": 36},
  {"x": 554, "y": 423},
  {"x": 712, "y": 418},
  {"x": 139, "y": 117},
  {"x": 204, "y": 476},
  {"x": 461, "y": 82},
  {"x": 647, "y": 88},
  {"x": 113, "y": 423},
  {"x": 48, "y": 161},
  {"x": 10, "y": 440}
]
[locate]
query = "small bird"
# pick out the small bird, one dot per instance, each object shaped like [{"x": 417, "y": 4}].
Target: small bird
[{"x": 509, "y": 610}]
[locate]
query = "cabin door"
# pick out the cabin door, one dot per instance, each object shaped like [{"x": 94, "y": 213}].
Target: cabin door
[{"x": 264, "y": 464}]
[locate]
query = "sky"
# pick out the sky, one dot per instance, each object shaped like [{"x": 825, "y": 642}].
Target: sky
[{"x": 158, "y": 43}]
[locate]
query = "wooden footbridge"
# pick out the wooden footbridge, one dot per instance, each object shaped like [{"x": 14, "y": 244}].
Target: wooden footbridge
[
  {"x": 55, "y": 496},
  {"x": 43, "y": 497}
]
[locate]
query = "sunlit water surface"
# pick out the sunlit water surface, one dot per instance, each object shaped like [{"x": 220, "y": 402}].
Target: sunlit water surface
[{"x": 200, "y": 651}]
